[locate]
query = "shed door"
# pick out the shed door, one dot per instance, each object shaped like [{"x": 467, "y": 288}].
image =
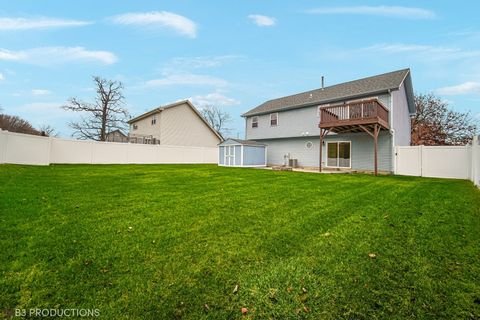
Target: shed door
[{"x": 230, "y": 155}]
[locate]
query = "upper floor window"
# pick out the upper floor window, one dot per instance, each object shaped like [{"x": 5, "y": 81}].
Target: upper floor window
[
  {"x": 274, "y": 119},
  {"x": 154, "y": 119},
  {"x": 255, "y": 122}
]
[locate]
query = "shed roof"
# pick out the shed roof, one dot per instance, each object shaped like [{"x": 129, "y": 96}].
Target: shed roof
[
  {"x": 231, "y": 141},
  {"x": 357, "y": 88}
]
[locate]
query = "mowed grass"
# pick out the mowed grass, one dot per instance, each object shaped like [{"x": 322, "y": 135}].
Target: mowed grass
[{"x": 173, "y": 241}]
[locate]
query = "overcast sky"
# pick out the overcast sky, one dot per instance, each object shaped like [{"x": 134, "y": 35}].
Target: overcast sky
[{"x": 235, "y": 55}]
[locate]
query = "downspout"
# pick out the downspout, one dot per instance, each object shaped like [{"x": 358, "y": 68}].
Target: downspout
[
  {"x": 246, "y": 126},
  {"x": 392, "y": 130}
]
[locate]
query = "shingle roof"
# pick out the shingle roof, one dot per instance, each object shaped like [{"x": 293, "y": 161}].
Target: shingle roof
[{"x": 371, "y": 85}]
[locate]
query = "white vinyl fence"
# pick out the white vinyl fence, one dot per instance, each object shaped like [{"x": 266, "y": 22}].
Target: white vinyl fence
[
  {"x": 28, "y": 149},
  {"x": 457, "y": 162}
]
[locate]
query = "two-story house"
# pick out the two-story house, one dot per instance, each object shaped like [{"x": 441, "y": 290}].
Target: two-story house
[
  {"x": 353, "y": 125},
  {"x": 176, "y": 124}
]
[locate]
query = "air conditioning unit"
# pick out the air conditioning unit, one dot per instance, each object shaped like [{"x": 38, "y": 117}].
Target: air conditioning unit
[{"x": 292, "y": 163}]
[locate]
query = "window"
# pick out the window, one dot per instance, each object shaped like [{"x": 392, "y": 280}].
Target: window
[
  {"x": 135, "y": 127},
  {"x": 154, "y": 120},
  {"x": 273, "y": 119},
  {"x": 255, "y": 122}
]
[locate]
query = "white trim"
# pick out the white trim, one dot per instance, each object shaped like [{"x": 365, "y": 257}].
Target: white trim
[
  {"x": 392, "y": 132},
  {"x": 265, "y": 156},
  {"x": 241, "y": 156},
  {"x": 337, "y": 142}
]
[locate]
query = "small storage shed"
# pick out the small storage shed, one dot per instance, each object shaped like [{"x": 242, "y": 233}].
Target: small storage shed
[{"x": 242, "y": 153}]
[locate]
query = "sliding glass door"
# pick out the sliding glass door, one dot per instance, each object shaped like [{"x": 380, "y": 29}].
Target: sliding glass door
[{"x": 338, "y": 155}]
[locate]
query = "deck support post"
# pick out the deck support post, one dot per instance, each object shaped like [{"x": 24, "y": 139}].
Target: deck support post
[
  {"x": 323, "y": 133},
  {"x": 374, "y": 134}
]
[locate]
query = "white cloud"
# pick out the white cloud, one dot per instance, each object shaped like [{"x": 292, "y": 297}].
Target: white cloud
[
  {"x": 423, "y": 51},
  {"x": 387, "y": 11},
  {"x": 202, "y": 61},
  {"x": 41, "y": 107},
  {"x": 39, "y": 23},
  {"x": 187, "y": 79},
  {"x": 2, "y": 77},
  {"x": 263, "y": 21},
  {"x": 158, "y": 20},
  {"x": 40, "y": 92},
  {"x": 213, "y": 99},
  {"x": 464, "y": 88},
  {"x": 56, "y": 55}
]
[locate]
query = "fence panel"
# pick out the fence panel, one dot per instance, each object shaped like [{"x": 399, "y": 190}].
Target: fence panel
[
  {"x": 27, "y": 149},
  {"x": 457, "y": 162},
  {"x": 71, "y": 151},
  {"x": 446, "y": 162}
]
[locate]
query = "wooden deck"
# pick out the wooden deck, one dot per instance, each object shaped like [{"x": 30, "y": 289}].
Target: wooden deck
[
  {"x": 369, "y": 116},
  {"x": 351, "y": 117}
]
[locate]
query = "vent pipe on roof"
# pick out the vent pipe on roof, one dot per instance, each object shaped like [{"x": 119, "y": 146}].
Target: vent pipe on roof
[{"x": 323, "y": 82}]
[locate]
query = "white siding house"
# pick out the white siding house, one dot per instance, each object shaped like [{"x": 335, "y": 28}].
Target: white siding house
[{"x": 176, "y": 124}]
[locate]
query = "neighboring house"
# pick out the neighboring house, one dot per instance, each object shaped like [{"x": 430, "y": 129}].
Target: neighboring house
[
  {"x": 357, "y": 123},
  {"x": 176, "y": 124},
  {"x": 116, "y": 136}
]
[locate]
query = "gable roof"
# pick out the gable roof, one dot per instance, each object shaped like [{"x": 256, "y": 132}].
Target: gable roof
[
  {"x": 347, "y": 90},
  {"x": 119, "y": 131},
  {"x": 172, "y": 105},
  {"x": 230, "y": 141}
]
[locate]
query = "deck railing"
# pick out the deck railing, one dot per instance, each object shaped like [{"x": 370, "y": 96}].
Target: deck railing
[{"x": 351, "y": 112}]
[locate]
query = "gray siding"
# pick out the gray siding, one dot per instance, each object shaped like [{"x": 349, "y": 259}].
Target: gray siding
[
  {"x": 221, "y": 155},
  {"x": 401, "y": 118},
  {"x": 361, "y": 150},
  {"x": 253, "y": 155},
  {"x": 238, "y": 155},
  {"x": 293, "y": 123}
]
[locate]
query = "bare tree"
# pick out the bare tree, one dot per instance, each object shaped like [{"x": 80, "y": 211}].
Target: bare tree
[
  {"x": 436, "y": 124},
  {"x": 17, "y": 124},
  {"x": 48, "y": 130},
  {"x": 217, "y": 118},
  {"x": 105, "y": 114}
]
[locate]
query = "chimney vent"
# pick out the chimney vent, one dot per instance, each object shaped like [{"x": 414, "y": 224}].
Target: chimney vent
[{"x": 323, "y": 82}]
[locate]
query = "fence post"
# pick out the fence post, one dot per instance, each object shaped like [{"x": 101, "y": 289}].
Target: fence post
[
  {"x": 49, "y": 159},
  {"x": 475, "y": 161},
  {"x": 422, "y": 154},
  {"x": 3, "y": 147}
]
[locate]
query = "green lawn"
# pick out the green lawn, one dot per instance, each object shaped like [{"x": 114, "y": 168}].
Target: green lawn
[{"x": 173, "y": 241}]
